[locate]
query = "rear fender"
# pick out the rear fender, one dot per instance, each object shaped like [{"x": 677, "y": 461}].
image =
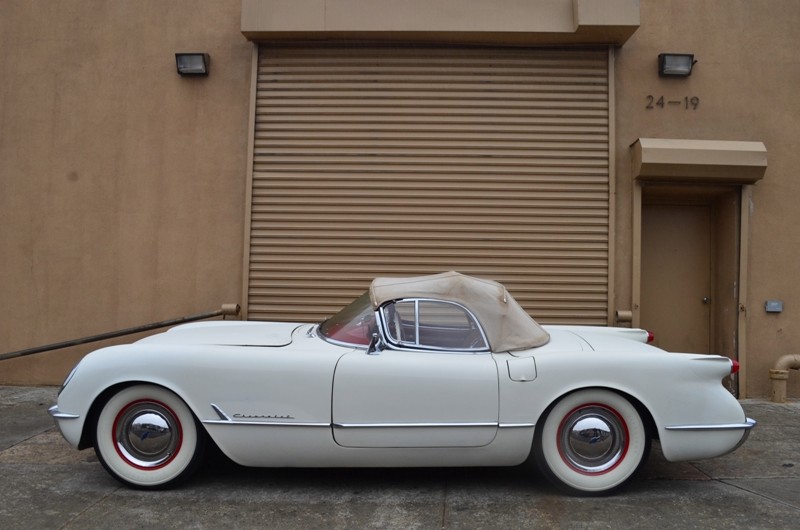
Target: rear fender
[{"x": 670, "y": 389}]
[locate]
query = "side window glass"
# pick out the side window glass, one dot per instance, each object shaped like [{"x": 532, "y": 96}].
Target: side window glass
[
  {"x": 443, "y": 325},
  {"x": 432, "y": 324}
]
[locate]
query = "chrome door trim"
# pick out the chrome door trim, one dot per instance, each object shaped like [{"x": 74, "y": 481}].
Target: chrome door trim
[{"x": 411, "y": 425}]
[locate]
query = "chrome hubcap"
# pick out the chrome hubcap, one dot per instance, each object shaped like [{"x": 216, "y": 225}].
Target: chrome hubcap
[
  {"x": 147, "y": 434},
  {"x": 593, "y": 439}
]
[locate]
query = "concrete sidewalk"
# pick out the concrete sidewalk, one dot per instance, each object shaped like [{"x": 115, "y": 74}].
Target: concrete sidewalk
[{"x": 47, "y": 484}]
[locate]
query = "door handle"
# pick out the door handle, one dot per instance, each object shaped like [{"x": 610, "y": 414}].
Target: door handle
[{"x": 706, "y": 300}]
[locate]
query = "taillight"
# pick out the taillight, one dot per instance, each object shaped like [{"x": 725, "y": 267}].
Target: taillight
[
  {"x": 650, "y": 337},
  {"x": 734, "y": 366}
]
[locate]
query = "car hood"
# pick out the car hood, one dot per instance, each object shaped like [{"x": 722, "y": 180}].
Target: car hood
[{"x": 221, "y": 333}]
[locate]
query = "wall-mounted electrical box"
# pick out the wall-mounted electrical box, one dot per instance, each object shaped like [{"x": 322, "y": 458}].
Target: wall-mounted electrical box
[{"x": 773, "y": 306}]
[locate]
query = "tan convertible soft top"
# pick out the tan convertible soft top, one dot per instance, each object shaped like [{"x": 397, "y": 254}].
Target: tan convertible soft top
[{"x": 507, "y": 326}]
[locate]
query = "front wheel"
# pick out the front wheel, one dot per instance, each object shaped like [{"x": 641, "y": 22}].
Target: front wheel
[
  {"x": 147, "y": 437},
  {"x": 591, "y": 442}
]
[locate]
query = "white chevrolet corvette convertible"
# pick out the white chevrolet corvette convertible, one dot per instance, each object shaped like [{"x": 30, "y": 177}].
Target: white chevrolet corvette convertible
[{"x": 443, "y": 370}]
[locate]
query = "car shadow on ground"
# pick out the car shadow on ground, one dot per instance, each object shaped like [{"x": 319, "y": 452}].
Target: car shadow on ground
[
  {"x": 219, "y": 467},
  {"x": 525, "y": 478}
]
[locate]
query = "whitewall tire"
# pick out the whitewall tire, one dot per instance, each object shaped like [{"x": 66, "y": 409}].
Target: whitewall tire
[
  {"x": 591, "y": 442},
  {"x": 147, "y": 437}
]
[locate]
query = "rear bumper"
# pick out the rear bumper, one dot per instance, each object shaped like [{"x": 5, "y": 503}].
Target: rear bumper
[
  {"x": 693, "y": 442},
  {"x": 747, "y": 426}
]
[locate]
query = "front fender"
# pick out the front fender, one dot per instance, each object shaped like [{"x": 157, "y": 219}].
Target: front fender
[
  {"x": 98, "y": 376},
  {"x": 295, "y": 381}
]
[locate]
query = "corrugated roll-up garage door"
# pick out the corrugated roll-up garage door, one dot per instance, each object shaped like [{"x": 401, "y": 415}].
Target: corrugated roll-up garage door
[{"x": 373, "y": 161}]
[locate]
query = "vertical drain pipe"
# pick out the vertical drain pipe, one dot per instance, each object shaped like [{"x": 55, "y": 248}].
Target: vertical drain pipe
[{"x": 780, "y": 374}]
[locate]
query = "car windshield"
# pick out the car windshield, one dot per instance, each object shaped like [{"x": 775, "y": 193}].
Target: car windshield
[{"x": 354, "y": 324}]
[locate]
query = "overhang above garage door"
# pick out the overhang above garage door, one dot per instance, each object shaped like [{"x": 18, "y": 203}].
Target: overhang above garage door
[
  {"x": 514, "y": 22},
  {"x": 698, "y": 161}
]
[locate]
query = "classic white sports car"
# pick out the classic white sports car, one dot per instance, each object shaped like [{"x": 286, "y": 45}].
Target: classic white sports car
[{"x": 443, "y": 370}]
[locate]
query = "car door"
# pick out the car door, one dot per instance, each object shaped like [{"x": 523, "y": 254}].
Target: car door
[{"x": 418, "y": 391}]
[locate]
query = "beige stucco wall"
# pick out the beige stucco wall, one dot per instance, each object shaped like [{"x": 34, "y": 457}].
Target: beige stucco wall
[
  {"x": 746, "y": 78},
  {"x": 121, "y": 183}
]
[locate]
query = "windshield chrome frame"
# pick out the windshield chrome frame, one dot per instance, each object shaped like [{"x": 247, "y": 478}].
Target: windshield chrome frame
[{"x": 335, "y": 342}]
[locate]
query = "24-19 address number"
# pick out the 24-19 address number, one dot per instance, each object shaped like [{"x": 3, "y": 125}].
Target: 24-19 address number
[{"x": 686, "y": 103}]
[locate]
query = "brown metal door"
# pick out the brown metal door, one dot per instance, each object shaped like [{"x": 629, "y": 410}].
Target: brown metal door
[{"x": 676, "y": 293}]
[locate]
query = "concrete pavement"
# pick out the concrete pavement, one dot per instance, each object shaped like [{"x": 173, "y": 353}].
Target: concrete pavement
[{"x": 44, "y": 483}]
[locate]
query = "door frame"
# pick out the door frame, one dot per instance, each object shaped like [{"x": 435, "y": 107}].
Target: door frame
[
  {"x": 701, "y": 162},
  {"x": 745, "y": 193}
]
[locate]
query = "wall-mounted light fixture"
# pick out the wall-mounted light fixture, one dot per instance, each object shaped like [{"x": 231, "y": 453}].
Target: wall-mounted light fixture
[
  {"x": 675, "y": 64},
  {"x": 192, "y": 64}
]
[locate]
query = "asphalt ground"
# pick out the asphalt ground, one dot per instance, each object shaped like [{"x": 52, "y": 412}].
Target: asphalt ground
[{"x": 44, "y": 483}]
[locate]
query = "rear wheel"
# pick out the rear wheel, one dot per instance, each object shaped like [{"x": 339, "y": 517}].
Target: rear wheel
[
  {"x": 591, "y": 442},
  {"x": 147, "y": 437}
]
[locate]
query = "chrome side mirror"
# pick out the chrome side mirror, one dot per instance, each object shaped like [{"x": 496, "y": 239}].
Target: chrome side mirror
[{"x": 375, "y": 345}]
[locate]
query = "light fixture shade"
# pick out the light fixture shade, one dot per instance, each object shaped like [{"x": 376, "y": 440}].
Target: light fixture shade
[
  {"x": 192, "y": 64},
  {"x": 675, "y": 64}
]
